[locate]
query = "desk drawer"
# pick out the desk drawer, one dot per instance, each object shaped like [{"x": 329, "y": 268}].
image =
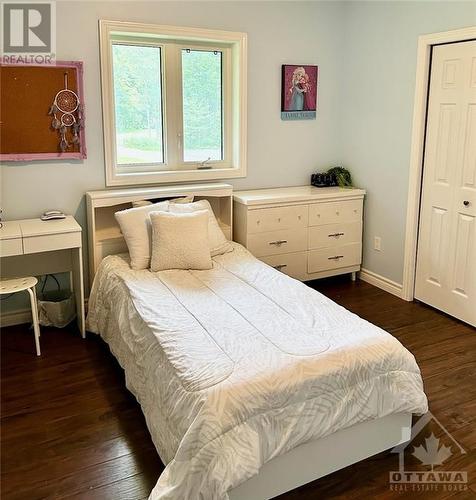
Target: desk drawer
[
  {"x": 331, "y": 235},
  {"x": 277, "y": 242},
  {"x": 9, "y": 247},
  {"x": 334, "y": 257},
  {"x": 274, "y": 219},
  {"x": 335, "y": 212},
  {"x": 292, "y": 264},
  {"x": 49, "y": 242}
]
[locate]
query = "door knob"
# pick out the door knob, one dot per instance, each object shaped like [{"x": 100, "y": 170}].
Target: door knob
[{"x": 466, "y": 203}]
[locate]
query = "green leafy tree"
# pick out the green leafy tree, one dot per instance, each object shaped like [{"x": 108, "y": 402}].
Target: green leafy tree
[
  {"x": 137, "y": 89},
  {"x": 202, "y": 100},
  {"x": 138, "y": 99}
]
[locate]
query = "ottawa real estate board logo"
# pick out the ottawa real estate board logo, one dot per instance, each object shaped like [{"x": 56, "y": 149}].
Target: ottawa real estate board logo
[
  {"x": 427, "y": 471},
  {"x": 28, "y": 32}
]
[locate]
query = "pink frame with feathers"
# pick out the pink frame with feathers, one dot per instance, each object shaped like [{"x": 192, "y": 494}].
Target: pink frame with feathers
[{"x": 78, "y": 155}]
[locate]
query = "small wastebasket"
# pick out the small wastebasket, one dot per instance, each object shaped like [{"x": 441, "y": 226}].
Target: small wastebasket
[{"x": 56, "y": 308}]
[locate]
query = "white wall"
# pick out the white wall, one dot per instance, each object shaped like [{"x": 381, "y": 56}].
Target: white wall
[
  {"x": 279, "y": 153},
  {"x": 366, "y": 57},
  {"x": 376, "y": 109}
]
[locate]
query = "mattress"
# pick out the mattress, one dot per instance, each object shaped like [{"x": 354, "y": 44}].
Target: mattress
[{"x": 236, "y": 365}]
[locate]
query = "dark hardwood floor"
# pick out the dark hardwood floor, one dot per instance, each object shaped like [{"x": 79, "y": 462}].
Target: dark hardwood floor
[{"x": 69, "y": 427}]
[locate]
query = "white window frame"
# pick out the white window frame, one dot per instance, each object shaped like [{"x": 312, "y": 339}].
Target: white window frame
[{"x": 233, "y": 46}]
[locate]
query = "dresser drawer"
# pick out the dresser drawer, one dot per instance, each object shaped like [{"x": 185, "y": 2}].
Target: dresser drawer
[
  {"x": 277, "y": 242},
  {"x": 46, "y": 243},
  {"x": 334, "y": 257},
  {"x": 292, "y": 264},
  {"x": 335, "y": 212},
  {"x": 274, "y": 219},
  {"x": 11, "y": 246},
  {"x": 331, "y": 235}
]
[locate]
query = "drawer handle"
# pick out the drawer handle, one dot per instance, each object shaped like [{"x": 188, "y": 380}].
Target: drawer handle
[
  {"x": 280, "y": 266},
  {"x": 278, "y": 242},
  {"x": 336, "y": 257},
  {"x": 335, "y": 235}
]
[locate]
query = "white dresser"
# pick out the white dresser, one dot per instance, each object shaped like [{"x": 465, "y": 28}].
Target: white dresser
[{"x": 305, "y": 232}]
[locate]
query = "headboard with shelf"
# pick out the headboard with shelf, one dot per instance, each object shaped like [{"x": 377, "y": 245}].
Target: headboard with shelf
[{"x": 104, "y": 235}]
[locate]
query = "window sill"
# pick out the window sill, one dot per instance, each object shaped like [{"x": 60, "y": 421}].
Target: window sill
[{"x": 157, "y": 177}]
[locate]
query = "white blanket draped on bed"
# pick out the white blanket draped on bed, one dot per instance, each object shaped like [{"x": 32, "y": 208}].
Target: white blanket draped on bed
[{"x": 238, "y": 364}]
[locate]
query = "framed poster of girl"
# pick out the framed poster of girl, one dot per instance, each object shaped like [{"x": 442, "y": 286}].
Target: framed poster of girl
[{"x": 299, "y": 92}]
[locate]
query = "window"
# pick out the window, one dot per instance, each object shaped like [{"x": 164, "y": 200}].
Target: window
[
  {"x": 174, "y": 103},
  {"x": 202, "y": 100},
  {"x": 138, "y": 104}
]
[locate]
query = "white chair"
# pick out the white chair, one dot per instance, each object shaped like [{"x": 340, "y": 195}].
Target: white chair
[{"x": 18, "y": 285}]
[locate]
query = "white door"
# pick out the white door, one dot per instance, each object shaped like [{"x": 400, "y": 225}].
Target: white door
[{"x": 446, "y": 259}]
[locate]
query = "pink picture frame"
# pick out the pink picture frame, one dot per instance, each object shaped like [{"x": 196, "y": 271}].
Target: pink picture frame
[
  {"x": 299, "y": 91},
  {"x": 56, "y": 155}
]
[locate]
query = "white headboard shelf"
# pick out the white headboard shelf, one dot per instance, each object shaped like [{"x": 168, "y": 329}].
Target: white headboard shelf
[{"x": 104, "y": 235}]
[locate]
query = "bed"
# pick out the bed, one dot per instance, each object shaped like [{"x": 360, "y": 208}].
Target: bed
[{"x": 251, "y": 383}]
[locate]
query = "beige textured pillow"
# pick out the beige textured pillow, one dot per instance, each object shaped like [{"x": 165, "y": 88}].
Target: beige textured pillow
[
  {"x": 144, "y": 203},
  {"x": 135, "y": 227},
  {"x": 180, "y": 241},
  {"x": 218, "y": 243}
]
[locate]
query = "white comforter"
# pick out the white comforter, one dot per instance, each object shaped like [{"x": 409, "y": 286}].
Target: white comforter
[{"x": 236, "y": 365}]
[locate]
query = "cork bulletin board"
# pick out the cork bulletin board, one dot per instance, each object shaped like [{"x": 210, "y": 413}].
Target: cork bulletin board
[{"x": 26, "y": 95}]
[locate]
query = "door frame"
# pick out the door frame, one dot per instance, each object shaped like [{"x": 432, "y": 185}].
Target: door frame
[{"x": 425, "y": 44}]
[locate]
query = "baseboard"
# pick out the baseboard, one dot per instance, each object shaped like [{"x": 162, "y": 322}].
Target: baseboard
[
  {"x": 21, "y": 316},
  {"x": 381, "y": 282},
  {"x": 15, "y": 317}
]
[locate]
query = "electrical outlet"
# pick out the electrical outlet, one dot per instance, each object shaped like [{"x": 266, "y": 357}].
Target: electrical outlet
[{"x": 377, "y": 243}]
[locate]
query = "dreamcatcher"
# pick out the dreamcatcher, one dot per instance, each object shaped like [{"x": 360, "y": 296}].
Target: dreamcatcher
[{"x": 66, "y": 113}]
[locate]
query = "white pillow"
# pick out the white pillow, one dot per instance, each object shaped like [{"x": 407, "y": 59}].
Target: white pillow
[
  {"x": 144, "y": 203},
  {"x": 141, "y": 203},
  {"x": 135, "y": 226},
  {"x": 183, "y": 199},
  {"x": 218, "y": 243},
  {"x": 180, "y": 241}
]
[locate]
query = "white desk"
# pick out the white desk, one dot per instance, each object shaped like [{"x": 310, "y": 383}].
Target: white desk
[{"x": 32, "y": 247}]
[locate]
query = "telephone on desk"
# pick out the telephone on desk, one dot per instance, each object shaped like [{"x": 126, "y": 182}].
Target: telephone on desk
[{"x": 52, "y": 215}]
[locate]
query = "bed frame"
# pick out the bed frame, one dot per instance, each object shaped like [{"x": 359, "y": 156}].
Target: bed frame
[
  {"x": 303, "y": 464},
  {"x": 318, "y": 458},
  {"x": 104, "y": 235}
]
